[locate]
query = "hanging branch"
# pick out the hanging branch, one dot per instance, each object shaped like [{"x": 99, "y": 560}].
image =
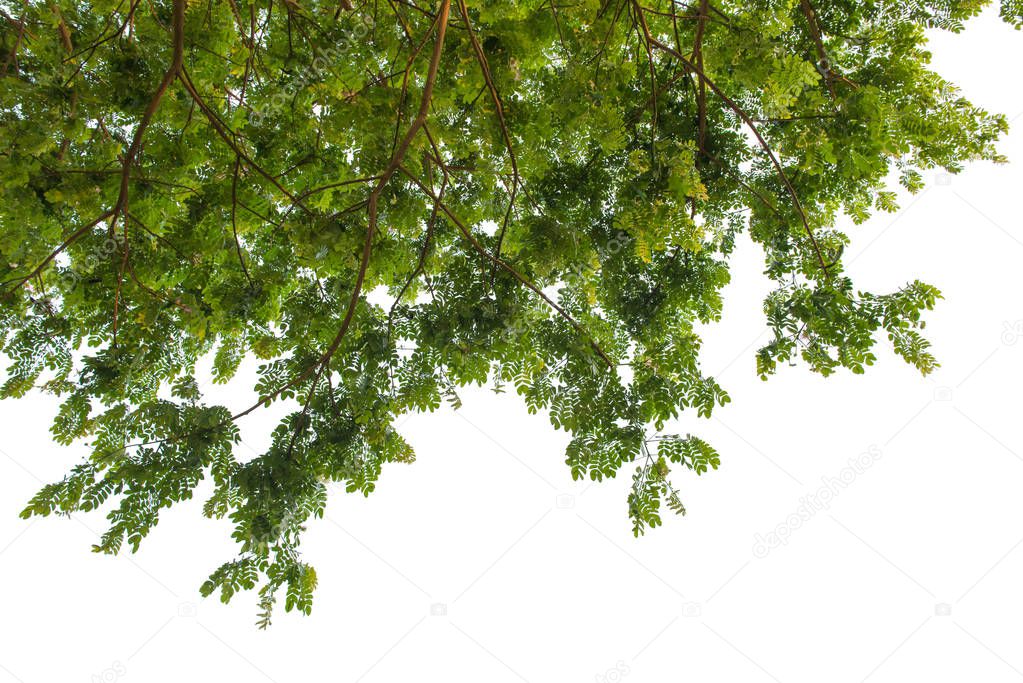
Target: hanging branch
[
  {"x": 234, "y": 221},
  {"x": 56, "y": 252},
  {"x": 822, "y": 54},
  {"x": 12, "y": 56},
  {"x": 497, "y": 261},
  {"x": 120, "y": 207},
  {"x": 421, "y": 264},
  {"x": 227, "y": 135},
  {"x": 701, "y": 88},
  {"x": 741, "y": 113},
  {"x": 374, "y": 198},
  {"x": 499, "y": 107}
]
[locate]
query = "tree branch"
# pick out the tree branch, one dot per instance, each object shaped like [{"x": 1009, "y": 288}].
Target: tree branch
[
  {"x": 741, "y": 113},
  {"x": 374, "y": 197},
  {"x": 497, "y": 261},
  {"x": 499, "y": 106}
]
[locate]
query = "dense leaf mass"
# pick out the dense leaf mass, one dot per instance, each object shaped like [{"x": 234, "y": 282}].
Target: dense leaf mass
[{"x": 544, "y": 194}]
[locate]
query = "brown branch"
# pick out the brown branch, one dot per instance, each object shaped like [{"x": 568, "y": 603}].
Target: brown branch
[
  {"x": 411, "y": 5},
  {"x": 19, "y": 39},
  {"x": 345, "y": 5},
  {"x": 741, "y": 113},
  {"x": 505, "y": 133},
  {"x": 374, "y": 197},
  {"x": 172, "y": 72},
  {"x": 237, "y": 16},
  {"x": 822, "y": 54},
  {"x": 237, "y": 159},
  {"x": 417, "y": 48},
  {"x": 228, "y": 135},
  {"x": 121, "y": 206},
  {"x": 65, "y": 37},
  {"x": 498, "y": 261},
  {"x": 421, "y": 264},
  {"x": 742, "y": 183},
  {"x": 557, "y": 23},
  {"x": 701, "y": 91},
  {"x": 234, "y": 221},
  {"x": 120, "y": 281},
  {"x": 64, "y": 245},
  {"x": 91, "y": 49},
  {"x": 185, "y": 258},
  {"x": 331, "y": 186},
  {"x": 653, "y": 95},
  {"x": 112, "y": 171}
]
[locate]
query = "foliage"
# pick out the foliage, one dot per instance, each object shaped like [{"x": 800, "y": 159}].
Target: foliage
[{"x": 548, "y": 193}]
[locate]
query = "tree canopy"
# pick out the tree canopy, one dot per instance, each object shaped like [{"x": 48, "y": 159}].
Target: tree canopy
[{"x": 545, "y": 195}]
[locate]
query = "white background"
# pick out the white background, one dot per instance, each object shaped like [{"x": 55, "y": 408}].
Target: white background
[{"x": 483, "y": 561}]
